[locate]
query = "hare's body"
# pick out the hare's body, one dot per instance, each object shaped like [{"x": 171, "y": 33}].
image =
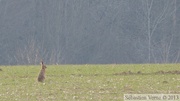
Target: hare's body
[{"x": 41, "y": 76}]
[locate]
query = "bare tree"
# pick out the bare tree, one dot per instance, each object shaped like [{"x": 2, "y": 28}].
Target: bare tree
[
  {"x": 153, "y": 17},
  {"x": 28, "y": 54}
]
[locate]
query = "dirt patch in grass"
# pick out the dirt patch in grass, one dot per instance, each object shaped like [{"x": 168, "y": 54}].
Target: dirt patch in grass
[
  {"x": 168, "y": 72},
  {"x": 128, "y": 73},
  {"x": 165, "y": 82},
  {"x": 141, "y": 73}
]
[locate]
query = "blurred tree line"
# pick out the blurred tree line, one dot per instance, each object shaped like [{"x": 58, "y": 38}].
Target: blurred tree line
[{"x": 89, "y": 31}]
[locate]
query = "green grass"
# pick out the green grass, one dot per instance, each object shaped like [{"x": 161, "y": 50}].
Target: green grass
[{"x": 86, "y": 82}]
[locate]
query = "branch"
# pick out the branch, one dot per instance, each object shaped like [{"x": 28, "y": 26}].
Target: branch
[
  {"x": 178, "y": 56},
  {"x": 161, "y": 17}
]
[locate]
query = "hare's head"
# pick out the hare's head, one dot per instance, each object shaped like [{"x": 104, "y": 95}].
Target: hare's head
[{"x": 42, "y": 65}]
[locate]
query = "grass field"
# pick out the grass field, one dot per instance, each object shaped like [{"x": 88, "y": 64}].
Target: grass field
[{"x": 88, "y": 82}]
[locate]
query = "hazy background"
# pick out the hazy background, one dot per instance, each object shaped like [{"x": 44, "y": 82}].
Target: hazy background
[{"x": 89, "y": 31}]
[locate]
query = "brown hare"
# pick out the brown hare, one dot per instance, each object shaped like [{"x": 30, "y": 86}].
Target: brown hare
[{"x": 41, "y": 76}]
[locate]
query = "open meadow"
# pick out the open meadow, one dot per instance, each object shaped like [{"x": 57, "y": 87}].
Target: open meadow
[{"x": 87, "y": 82}]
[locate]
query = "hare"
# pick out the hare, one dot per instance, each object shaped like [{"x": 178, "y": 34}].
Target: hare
[{"x": 41, "y": 76}]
